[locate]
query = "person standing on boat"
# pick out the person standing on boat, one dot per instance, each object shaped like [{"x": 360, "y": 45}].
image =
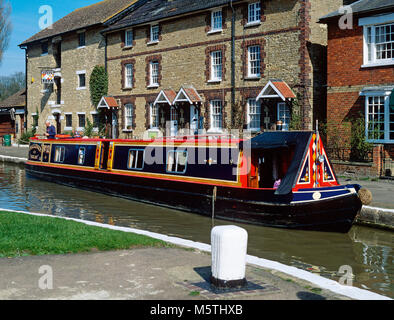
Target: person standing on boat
[{"x": 51, "y": 131}]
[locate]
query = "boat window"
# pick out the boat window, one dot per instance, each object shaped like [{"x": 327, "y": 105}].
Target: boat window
[
  {"x": 136, "y": 159},
  {"x": 177, "y": 161},
  {"x": 59, "y": 154},
  {"x": 81, "y": 156}
]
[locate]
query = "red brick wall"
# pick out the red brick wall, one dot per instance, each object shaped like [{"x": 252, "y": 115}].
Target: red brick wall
[
  {"x": 345, "y": 58},
  {"x": 345, "y": 79},
  {"x": 341, "y": 109}
]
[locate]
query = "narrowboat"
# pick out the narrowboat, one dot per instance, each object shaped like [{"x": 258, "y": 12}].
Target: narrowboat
[{"x": 276, "y": 179}]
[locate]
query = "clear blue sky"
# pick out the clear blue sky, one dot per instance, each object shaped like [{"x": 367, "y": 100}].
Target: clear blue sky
[{"x": 25, "y": 22}]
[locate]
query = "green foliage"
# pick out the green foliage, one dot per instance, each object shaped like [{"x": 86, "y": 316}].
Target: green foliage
[
  {"x": 22, "y": 234},
  {"x": 11, "y": 85},
  {"x": 5, "y": 26},
  {"x": 296, "y": 119},
  {"x": 25, "y": 137},
  {"x": 360, "y": 148},
  {"x": 88, "y": 131},
  {"x": 98, "y": 84}
]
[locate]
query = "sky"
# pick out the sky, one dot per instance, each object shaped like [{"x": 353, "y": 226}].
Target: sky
[{"x": 25, "y": 20}]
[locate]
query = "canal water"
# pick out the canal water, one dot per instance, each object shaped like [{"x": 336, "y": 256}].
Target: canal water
[{"x": 369, "y": 252}]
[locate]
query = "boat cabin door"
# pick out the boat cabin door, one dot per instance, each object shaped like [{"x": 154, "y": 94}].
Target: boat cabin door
[{"x": 104, "y": 152}]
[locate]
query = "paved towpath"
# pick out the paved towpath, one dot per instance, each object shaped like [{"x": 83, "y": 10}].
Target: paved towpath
[{"x": 140, "y": 274}]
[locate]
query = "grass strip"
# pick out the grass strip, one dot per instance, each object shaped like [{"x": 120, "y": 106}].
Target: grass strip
[{"x": 25, "y": 235}]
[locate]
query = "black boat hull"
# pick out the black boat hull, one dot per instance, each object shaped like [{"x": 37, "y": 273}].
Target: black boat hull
[{"x": 255, "y": 206}]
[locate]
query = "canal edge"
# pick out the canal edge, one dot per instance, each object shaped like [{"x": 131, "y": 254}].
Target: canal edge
[{"x": 324, "y": 283}]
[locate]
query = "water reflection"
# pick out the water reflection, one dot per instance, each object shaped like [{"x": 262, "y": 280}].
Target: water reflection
[{"x": 368, "y": 251}]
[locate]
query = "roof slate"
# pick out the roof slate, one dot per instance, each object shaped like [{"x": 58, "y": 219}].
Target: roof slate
[
  {"x": 363, "y": 6},
  {"x": 155, "y": 10},
  {"x": 16, "y": 100},
  {"x": 81, "y": 18}
]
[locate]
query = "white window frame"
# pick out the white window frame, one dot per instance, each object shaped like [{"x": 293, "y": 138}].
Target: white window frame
[
  {"x": 285, "y": 124},
  {"x": 128, "y": 118},
  {"x": 253, "y": 17},
  {"x": 128, "y": 38},
  {"x": 65, "y": 120},
  {"x": 214, "y": 16},
  {"x": 84, "y": 40},
  {"x": 369, "y": 52},
  {"x": 95, "y": 113},
  {"x": 128, "y": 75},
  {"x": 216, "y": 66},
  {"x": 81, "y": 114},
  {"x": 386, "y": 112},
  {"x": 79, "y": 80},
  {"x": 213, "y": 114},
  {"x": 154, "y": 30},
  {"x": 256, "y": 113},
  {"x": 154, "y": 125},
  {"x": 152, "y": 75},
  {"x": 256, "y": 59}
]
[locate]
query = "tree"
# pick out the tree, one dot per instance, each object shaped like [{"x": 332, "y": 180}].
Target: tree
[
  {"x": 5, "y": 26},
  {"x": 98, "y": 84},
  {"x": 11, "y": 84}
]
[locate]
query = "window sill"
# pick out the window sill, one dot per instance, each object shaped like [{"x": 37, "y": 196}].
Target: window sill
[
  {"x": 214, "y": 31},
  {"x": 215, "y": 131},
  {"x": 215, "y": 81},
  {"x": 380, "y": 141},
  {"x": 68, "y": 128},
  {"x": 151, "y": 43},
  {"x": 378, "y": 64},
  {"x": 153, "y": 86},
  {"x": 252, "y": 24},
  {"x": 127, "y": 48},
  {"x": 127, "y": 88},
  {"x": 252, "y": 78},
  {"x": 81, "y": 47},
  {"x": 80, "y": 129},
  {"x": 127, "y": 130},
  {"x": 81, "y": 88}
]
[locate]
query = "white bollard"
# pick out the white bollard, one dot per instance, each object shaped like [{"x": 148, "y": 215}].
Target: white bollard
[{"x": 229, "y": 247}]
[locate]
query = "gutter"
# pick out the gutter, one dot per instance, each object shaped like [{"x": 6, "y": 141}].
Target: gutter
[{"x": 327, "y": 18}]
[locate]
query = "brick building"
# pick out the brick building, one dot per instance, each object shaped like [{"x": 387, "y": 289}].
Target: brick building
[
  {"x": 66, "y": 54},
  {"x": 361, "y": 78},
  {"x": 177, "y": 64}
]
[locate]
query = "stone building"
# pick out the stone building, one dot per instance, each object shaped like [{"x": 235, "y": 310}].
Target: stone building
[
  {"x": 59, "y": 62},
  {"x": 361, "y": 82},
  {"x": 177, "y": 64}
]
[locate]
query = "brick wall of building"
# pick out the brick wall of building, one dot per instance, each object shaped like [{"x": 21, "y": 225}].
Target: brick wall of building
[
  {"x": 184, "y": 49},
  {"x": 346, "y": 78}
]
